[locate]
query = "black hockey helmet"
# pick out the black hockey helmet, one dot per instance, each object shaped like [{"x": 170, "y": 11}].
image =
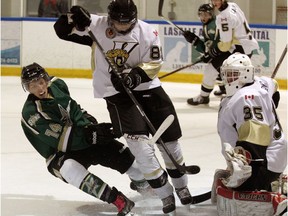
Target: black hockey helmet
[
  {"x": 206, "y": 8},
  {"x": 32, "y": 72},
  {"x": 123, "y": 11}
]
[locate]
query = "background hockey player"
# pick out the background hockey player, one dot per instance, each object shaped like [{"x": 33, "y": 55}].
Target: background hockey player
[
  {"x": 71, "y": 140},
  {"x": 253, "y": 142},
  {"x": 234, "y": 31},
  {"x": 136, "y": 50},
  {"x": 212, "y": 70}
]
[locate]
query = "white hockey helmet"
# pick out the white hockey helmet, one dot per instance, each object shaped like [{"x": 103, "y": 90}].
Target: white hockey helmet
[{"x": 236, "y": 71}]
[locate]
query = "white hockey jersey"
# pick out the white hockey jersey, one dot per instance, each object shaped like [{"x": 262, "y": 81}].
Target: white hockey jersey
[
  {"x": 234, "y": 30},
  {"x": 249, "y": 116},
  {"x": 140, "y": 47}
]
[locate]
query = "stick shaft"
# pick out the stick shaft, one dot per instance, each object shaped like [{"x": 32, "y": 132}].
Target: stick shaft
[
  {"x": 279, "y": 62},
  {"x": 160, "y": 7},
  {"x": 179, "y": 69}
]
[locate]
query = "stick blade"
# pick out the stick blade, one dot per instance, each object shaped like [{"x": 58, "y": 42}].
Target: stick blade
[
  {"x": 192, "y": 169},
  {"x": 163, "y": 127}
]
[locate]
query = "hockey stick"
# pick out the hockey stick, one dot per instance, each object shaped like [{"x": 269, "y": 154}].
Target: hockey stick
[
  {"x": 179, "y": 69},
  {"x": 193, "y": 169},
  {"x": 201, "y": 197},
  {"x": 160, "y": 6},
  {"x": 279, "y": 62}
]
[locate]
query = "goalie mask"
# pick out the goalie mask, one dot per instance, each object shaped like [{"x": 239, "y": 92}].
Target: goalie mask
[
  {"x": 236, "y": 71},
  {"x": 32, "y": 72},
  {"x": 122, "y": 15}
]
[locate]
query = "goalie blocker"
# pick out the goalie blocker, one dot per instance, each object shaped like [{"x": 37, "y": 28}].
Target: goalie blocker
[{"x": 248, "y": 203}]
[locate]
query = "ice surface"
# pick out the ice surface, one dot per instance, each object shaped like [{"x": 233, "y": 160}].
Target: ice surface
[{"x": 27, "y": 189}]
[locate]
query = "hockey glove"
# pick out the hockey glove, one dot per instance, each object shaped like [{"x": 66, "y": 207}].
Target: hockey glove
[
  {"x": 191, "y": 37},
  {"x": 99, "y": 133},
  {"x": 237, "y": 165},
  {"x": 81, "y": 17},
  {"x": 211, "y": 54},
  {"x": 206, "y": 58},
  {"x": 131, "y": 78}
]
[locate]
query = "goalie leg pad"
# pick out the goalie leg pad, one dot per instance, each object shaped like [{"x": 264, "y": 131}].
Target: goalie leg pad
[
  {"x": 218, "y": 175},
  {"x": 247, "y": 203}
]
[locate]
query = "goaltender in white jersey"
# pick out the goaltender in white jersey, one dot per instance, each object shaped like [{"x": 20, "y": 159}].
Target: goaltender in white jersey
[
  {"x": 253, "y": 142},
  {"x": 250, "y": 116}
]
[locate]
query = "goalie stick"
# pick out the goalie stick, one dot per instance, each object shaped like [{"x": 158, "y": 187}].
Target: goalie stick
[
  {"x": 160, "y": 6},
  {"x": 192, "y": 169}
]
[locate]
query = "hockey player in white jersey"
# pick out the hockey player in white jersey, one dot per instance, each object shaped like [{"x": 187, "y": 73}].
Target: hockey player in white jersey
[
  {"x": 234, "y": 31},
  {"x": 253, "y": 142},
  {"x": 134, "y": 46}
]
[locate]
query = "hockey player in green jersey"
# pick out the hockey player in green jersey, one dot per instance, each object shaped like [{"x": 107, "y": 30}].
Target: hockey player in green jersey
[
  {"x": 212, "y": 70},
  {"x": 71, "y": 140}
]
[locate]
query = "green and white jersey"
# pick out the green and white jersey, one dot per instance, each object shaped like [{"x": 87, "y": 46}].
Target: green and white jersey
[
  {"x": 210, "y": 36},
  {"x": 55, "y": 123}
]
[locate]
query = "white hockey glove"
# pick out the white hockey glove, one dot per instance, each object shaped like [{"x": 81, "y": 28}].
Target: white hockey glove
[{"x": 237, "y": 165}]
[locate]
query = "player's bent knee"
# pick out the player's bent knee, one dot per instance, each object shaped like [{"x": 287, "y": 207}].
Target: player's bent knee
[
  {"x": 159, "y": 182},
  {"x": 73, "y": 172}
]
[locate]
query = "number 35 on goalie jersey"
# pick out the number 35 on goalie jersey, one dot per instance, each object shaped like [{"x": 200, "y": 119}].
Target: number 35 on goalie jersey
[{"x": 249, "y": 116}]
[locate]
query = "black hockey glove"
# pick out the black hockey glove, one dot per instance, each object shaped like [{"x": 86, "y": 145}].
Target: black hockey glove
[
  {"x": 206, "y": 58},
  {"x": 81, "y": 17},
  {"x": 213, "y": 53},
  {"x": 99, "y": 133},
  {"x": 131, "y": 78},
  {"x": 191, "y": 37}
]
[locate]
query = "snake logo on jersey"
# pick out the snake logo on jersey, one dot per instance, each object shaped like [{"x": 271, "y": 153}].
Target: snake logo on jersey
[{"x": 121, "y": 52}]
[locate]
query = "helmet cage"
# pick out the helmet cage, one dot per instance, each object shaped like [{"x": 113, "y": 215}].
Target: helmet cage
[
  {"x": 236, "y": 72},
  {"x": 32, "y": 73}
]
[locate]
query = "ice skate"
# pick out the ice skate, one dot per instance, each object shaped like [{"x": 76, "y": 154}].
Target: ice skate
[
  {"x": 198, "y": 100},
  {"x": 221, "y": 92},
  {"x": 184, "y": 195},
  {"x": 169, "y": 204},
  {"x": 123, "y": 204}
]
